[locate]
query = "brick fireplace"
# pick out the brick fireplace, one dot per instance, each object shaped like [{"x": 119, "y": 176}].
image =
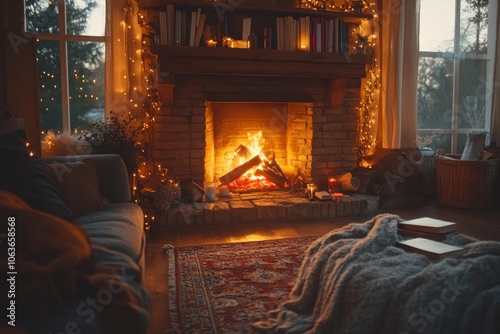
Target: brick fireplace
[{"x": 311, "y": 123}]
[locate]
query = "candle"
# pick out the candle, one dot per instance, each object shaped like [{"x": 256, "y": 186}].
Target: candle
[
  {"x": 311, "y": 189},
  {"x": 211, "y": 43},
  {"x": 332, "y": 185},
  {"x": 209, "y": 188}
]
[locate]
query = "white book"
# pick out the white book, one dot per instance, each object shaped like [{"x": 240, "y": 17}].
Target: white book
[
  {"x": 178, "y": 27},
  {"x": 434, "y": 250},
  {"x": 199, "y": 30},
  {"x": 247, "y": 28},
  {"x": 192, "y": 29},
  {"x": 429, "y": 225}
]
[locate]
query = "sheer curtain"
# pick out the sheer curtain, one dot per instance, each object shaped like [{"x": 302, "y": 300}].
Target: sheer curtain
[
  {"x": 124, "y": 81},
  {"x": 495, "y": 120},
  {"x": 399, "y": 31}
]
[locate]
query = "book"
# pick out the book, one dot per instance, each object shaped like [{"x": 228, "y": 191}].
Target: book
[
  {"x": 434, "y": 250},
  {"x": 416, "y": 234},
  {"x": 323, "y": 195},
  {"x": 163, "y": 28},
  {"x": 428, "y": 225},
  {"x": 246, "y": 29},
  {"x": 199, "y": 30},
  {"x": 170, "y": 24}
]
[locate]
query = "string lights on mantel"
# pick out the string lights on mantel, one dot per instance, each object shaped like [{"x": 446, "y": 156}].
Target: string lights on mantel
[
  {"x": 368, "y": 107},
  {"x": 355, "y": 6}
]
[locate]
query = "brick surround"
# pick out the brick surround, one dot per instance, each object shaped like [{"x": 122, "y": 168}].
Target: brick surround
[{"x": 321, "y": 122}]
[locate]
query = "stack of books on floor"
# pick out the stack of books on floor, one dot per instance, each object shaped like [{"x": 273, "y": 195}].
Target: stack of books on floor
[{"x": 427, "y": 234}]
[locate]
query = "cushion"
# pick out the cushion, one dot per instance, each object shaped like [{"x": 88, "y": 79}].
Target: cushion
[
  {"x": 474, "y": 145},
  {"x": 27, "y": 177},
  {"x": 78, "y": 184}
]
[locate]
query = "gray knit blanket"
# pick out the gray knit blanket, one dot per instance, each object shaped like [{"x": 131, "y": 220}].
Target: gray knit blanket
[{"x": 355, "y": 280}]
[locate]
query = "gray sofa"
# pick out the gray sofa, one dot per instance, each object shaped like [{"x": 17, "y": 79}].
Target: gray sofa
[
  {"x": 116, "y": 234},
  {"x": 78, "y": 273}
]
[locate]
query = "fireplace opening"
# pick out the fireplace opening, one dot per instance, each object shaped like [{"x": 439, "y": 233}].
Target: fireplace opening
[{"x": 257, "y": 145}]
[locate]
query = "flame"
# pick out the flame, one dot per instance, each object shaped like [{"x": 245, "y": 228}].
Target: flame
[{"x": 249, "y": 181}]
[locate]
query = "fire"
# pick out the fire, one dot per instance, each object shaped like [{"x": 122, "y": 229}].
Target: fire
[{"x": 251, "y": 180}]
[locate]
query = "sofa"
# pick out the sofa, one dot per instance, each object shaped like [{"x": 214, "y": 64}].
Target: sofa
[{"x": 77, "y": 244}]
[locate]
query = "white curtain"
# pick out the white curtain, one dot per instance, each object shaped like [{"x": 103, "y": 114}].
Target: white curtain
[
  {"x": 495, "y": 119},
  {"x": 399, "y": 31},
  {"x": 124, "y": 81}
]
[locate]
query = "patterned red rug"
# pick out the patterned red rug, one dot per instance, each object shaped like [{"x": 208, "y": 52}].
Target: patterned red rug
[{"x": 225, "y": 288}]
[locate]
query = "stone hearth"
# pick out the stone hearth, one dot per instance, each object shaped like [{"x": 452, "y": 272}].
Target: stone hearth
[{"x": 265, "y": 206}]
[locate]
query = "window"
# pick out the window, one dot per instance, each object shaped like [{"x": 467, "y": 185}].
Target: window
[
  {"x": 455, "y": 75},
  {"x": 70, "y": 59}
]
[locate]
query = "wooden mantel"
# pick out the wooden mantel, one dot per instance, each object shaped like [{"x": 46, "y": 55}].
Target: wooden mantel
[{"x": 259, "y": 62}]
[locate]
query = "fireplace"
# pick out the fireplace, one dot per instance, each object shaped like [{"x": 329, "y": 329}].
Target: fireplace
[
  {"x": 280, "y": 133},
  {"x": 311, "y": 124}
]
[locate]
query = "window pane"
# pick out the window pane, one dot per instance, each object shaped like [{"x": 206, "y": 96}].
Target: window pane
[
  {"x": 49, "y": 86},
  {"x": 435, "y": 93},
  {"x": 42, "y": 16},
  {"x": 472, "y": 94},
  {"x": 85, "y": 17},
  {"x": 86, "y": 83},
  {"x": 437, "y": 25},
  {"x": 474, "y": 26}
]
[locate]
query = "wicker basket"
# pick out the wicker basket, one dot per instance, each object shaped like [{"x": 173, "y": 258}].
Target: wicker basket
[{"x": 467, "y": 184}]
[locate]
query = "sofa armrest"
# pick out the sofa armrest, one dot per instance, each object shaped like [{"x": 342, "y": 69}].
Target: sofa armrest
[{"x": 111, "y": 171}]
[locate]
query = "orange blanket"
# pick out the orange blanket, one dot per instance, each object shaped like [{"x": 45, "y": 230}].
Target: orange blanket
[{"x": 53, "y": 261}]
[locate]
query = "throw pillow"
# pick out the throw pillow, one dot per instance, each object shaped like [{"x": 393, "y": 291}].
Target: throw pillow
[
  {"x": 27, "y": 177},
  {"x": 474, "y": 145},
  {"x": 78, "y": 184}
]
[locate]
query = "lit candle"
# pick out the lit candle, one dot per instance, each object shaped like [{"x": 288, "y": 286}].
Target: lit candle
[
  {"x": 311, "y": 189},
  {"x": 332, "y": 185},
  {"x": 211, "y": 43},
  {"x": 337, "y": 196}
]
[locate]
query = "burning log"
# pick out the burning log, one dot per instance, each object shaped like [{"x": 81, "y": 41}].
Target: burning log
[
  {"x": 240, "y": 170},
  {"x": 279, "y": 180},
  {"x": 275, "y": 168}
]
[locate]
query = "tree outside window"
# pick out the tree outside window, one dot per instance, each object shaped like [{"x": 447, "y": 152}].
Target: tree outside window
[
  {"x": 455, "y": 71},
  {"x": 70, "y": 60}
]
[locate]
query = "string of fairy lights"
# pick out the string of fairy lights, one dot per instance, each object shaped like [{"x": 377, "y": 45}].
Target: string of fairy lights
[{"x": 368, "y": 108}]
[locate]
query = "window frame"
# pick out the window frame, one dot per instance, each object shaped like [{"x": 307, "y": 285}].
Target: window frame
[
  {"x": 457, "y": 56},
  {"x": 63, "y": 38}
]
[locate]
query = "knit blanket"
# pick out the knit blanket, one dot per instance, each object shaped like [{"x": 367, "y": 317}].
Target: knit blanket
[{"x": 355, "y": 280}]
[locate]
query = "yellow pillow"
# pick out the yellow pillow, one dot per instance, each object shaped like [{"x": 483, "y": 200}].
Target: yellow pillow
[{"x": 78, "y": 184}]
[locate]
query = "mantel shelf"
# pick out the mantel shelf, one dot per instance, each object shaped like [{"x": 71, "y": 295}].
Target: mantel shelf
[{"x": 226, "y": 61}]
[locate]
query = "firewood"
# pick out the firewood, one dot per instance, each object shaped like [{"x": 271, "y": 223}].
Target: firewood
[
  {"x": 240, "y": 170},
  {"x": 279, "y": 180}
]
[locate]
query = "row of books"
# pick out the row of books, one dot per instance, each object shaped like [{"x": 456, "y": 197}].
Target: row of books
[
  {"x": 181, "y": 27},
  {"x": 312, "y": 34},
  {"x": 426, "y": 236},
  {"x": 192, "y": 28}
]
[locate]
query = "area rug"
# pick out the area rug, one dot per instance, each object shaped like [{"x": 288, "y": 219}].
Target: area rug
[{"x": 225, "y": 288}]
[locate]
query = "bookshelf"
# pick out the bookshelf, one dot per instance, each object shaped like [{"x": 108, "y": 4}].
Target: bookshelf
[{"x": 273, "y": 59}]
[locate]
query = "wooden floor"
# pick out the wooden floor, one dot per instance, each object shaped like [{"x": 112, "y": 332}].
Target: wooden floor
[{"x": 480, "y": 224}]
